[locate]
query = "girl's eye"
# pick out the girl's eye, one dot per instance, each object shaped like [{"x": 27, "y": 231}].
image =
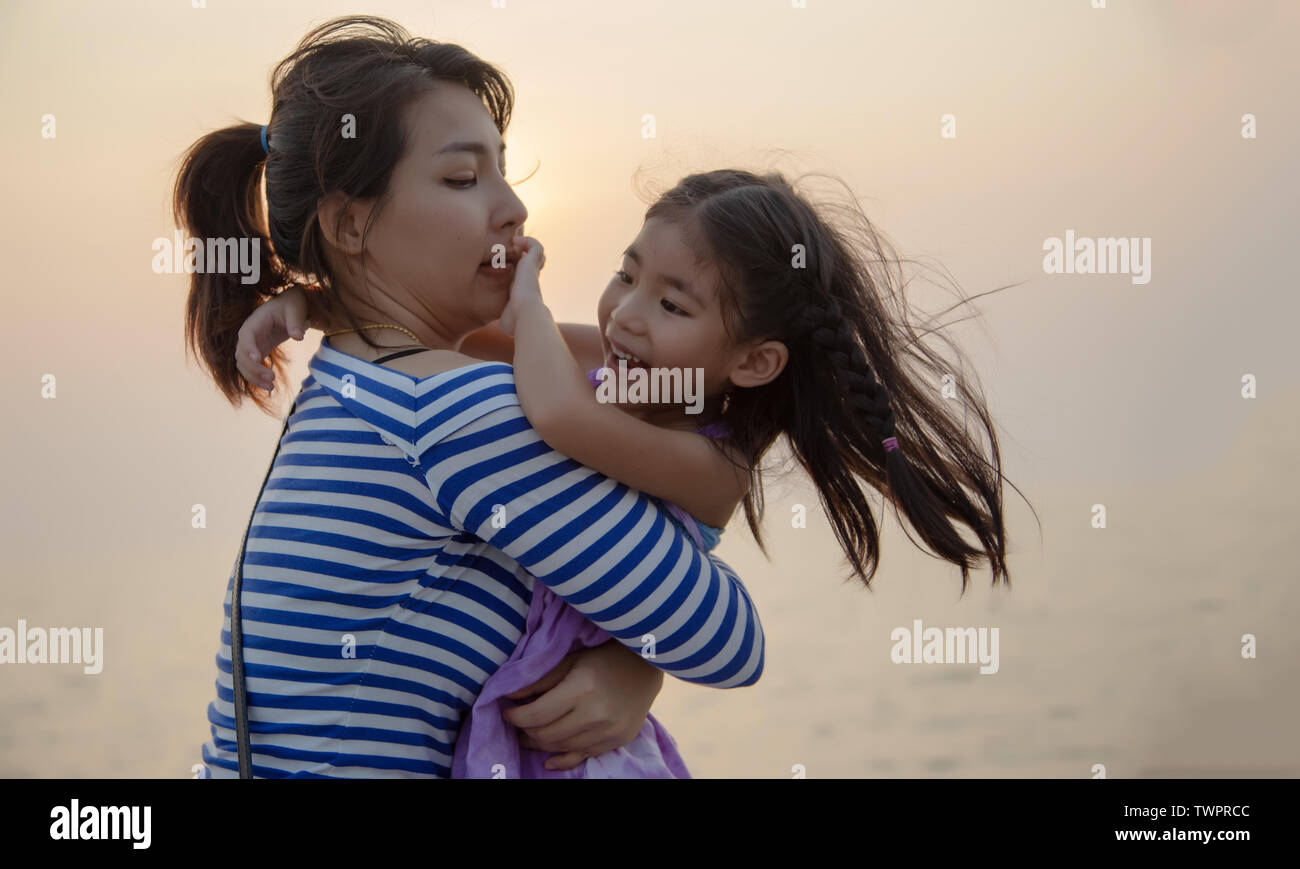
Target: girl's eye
[
  {"x": 461, "y": 183},
  {"x": 623, "y": 276},
  {"x": 667, "y": 304}
]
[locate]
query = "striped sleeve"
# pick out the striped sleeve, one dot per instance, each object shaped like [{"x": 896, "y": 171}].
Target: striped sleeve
[{"x": 605, "y": 548}]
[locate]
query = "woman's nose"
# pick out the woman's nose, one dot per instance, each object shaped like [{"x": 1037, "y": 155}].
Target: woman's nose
[{"x": 513, "y": 212}]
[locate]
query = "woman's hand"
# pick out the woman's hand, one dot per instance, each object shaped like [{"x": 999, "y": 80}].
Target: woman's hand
[
  {"x": 594, "y": 701},
  {"x": 526, "y": 287},
  {"x": 271, "y": 324}
]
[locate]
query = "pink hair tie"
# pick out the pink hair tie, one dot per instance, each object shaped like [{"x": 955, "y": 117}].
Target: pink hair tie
[{"x": 890, "y": 444}]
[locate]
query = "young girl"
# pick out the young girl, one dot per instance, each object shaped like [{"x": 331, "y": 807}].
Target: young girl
[{"x": 787, "y": 319}]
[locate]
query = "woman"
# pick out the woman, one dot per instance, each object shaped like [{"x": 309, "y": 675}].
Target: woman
[{"x": 392, "y": 556}]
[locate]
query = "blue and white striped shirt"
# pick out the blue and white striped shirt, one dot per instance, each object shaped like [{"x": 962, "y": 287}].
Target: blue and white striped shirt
[{"x": 390, "y": 568}]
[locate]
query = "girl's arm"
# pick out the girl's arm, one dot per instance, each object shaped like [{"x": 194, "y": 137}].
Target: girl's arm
[
  {"x": 294, "y": 310},
  {"x": 559, "y": 402},
  {"x": 492, "y": 344},
  {"x": 271, "y": 324}
]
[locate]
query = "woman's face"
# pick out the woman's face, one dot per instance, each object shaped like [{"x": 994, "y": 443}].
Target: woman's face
[{"x": 448, "y": 205}]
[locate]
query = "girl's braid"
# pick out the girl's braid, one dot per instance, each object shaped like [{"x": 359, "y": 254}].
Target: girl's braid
[{"x": 829, "y": 330}]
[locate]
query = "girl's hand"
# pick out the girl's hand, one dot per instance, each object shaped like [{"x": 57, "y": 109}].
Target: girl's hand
[
  {"x": 594, "y": 701},
  {"x": 270, "y": 325},
  {"x": 525, "y": 287}
]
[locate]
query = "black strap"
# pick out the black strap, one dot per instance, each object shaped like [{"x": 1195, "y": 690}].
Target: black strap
[
  {"x": 237, "y": 627},
  {"x": 237, "y": 611},
  {"x": 400, "y": 353}
]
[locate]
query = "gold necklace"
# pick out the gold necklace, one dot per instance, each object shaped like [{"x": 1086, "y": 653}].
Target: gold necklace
[{"x": 414, "y": 337}]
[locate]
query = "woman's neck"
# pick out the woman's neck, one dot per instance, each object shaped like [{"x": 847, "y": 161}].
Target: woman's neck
[
  {"x": 387, "y": 341},
  {"x": 427, "y": 333}
]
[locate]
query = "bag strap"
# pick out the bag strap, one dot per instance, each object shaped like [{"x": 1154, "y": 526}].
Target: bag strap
[{"x": 237, "y": 627}]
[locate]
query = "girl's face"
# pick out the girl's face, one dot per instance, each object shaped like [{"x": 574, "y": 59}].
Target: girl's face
[
  {"x": 449, "y": 204},
  {"x": 662, "y": 306}
]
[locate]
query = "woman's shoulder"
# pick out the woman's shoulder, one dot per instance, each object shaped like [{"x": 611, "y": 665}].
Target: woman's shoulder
[{"x": 418, "y": 399}]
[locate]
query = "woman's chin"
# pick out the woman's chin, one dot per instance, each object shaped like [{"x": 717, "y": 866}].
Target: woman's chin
[{"x": 489, "y": 303}]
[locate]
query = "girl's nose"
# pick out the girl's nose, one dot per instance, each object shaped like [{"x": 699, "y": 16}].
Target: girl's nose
[{"x": 626, "y": 318}]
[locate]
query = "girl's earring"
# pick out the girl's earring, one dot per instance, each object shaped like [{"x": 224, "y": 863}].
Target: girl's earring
[{"x": 726, "y": 401}]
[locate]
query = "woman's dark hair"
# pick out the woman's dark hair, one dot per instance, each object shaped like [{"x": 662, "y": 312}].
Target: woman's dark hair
[
  {"x": 857, "y": 372},
  {"x": 369, "y": 68}
]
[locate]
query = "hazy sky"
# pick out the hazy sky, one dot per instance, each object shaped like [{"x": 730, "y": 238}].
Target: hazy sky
[{"x": 1123, "y": 121}]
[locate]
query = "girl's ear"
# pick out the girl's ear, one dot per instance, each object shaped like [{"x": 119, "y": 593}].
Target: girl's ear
[
  {"x": 343, "y": 223},
  {"x": 760, "y": 364}
]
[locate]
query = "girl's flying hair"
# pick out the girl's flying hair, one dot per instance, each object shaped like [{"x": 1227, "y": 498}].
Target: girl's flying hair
[{"x": 857, "y": 371}]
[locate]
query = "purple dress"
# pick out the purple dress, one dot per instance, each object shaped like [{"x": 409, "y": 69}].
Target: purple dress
[{"x": 488, "y": 745}]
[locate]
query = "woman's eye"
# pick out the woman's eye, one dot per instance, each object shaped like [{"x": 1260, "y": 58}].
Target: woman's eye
[
  {"x": 675, "y": 310},
  {"x": 623, "y": 276},
  {"x": 461, "y": 183}
]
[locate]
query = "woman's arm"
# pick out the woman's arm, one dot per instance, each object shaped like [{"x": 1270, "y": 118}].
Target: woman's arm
[
  {"x": 608, "y": 550},
  {"x": 558, "y": 400}
]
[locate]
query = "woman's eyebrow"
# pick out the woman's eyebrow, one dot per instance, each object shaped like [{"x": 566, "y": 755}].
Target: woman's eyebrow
[{"x": 473, "y": 147}]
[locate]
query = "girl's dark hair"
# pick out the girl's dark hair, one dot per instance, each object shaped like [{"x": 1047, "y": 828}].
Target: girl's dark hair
[
  {"x": 369, "y": 68},
  {"x": 857, "y": 372}
]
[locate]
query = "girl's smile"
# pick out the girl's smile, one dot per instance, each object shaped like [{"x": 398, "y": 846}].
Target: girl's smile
[{"x": 617, "y": 352}]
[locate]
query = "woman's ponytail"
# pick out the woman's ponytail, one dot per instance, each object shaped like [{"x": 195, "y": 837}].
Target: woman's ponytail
[{"x": 217, "y": 202}]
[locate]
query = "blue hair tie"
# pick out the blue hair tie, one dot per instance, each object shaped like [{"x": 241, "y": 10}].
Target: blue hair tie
[{"x": 264, "y": 148}]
